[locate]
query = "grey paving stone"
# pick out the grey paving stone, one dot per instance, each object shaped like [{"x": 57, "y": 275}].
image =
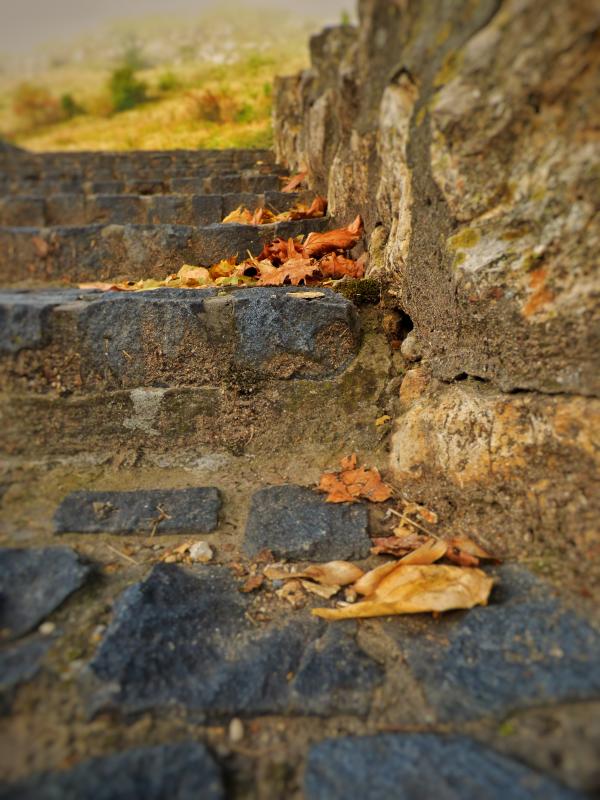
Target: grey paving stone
[
  {"x": 269, "y": 323},
  {"x": 193, "y": 510},
  {"x": 296, "y": 523},
  {"x": 182, "y": 638},
  {"x": 522, "y": 650},
  {"x": 19, "y": 663},
  {"x": 421, "y": 767},
  {"x": 34, "y": 582},
  {"x": 184, "y": 771}
]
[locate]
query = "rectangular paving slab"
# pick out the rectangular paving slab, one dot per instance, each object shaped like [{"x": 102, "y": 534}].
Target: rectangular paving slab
[
  {"x": 144, "y": 511},
  {"x": 101, "y": 252},
  {"x": 87, "y": 340},
  {"x": 296, "y": 523},
  {"x": 183, "y": 638}
]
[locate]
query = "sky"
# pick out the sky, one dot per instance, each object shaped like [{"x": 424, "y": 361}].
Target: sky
[{"x": 27, "y": 24}]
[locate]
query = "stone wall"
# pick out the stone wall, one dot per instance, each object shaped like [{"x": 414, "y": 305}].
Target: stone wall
[{"x": 466, "y": 134}]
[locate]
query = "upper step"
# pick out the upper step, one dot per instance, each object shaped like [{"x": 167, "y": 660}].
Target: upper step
[
  {"x": 116, "y": 252},
  {"x": 112, "y": 165},
  {"x": 185, "y": 181},
  {"x": 78, "y": 341},
  {"x": 169, "y": 209}
]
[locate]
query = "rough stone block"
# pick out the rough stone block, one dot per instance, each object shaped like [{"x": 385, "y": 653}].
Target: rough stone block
[
  {"x": 184, "y": 771},
  {"x": 33, "y": 583},
  {"x": 296, "y": 523},
  {"x": 524, "y": 649},
  {"x": 421, "y": 767},
  {"x": 183, "y": 638},
  {"x": 20, "y": 663},
  {"x": 179, "y": 511}
]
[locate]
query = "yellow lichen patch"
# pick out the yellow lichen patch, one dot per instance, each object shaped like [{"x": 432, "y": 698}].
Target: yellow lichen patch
[{"x": 466, "y": 238}]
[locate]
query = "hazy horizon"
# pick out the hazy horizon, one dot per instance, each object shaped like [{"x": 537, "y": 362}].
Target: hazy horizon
[{"x": 30, "y": 24}]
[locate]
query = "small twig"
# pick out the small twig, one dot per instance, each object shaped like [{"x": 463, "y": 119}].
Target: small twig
[
  {"x": 412, "y": 522},
  {"x": 123, "y": 555},
  {"x": 162, "y": 515}
]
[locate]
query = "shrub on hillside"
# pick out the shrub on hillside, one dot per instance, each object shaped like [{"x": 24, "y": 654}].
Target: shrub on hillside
[
  {"x": 168, "y": 81},
  {"x": 70, "y": 106},
  {"x": 36, "y": 106},
  {"x": 126, "y": 90}
]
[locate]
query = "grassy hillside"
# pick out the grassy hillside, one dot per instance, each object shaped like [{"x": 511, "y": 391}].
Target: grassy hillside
[{"x": 208, "y": 87}]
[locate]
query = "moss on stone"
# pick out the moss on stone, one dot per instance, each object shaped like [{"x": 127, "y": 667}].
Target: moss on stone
[
  {"x": 361, "y": 291},
  {"x": 464, "y": 239}
]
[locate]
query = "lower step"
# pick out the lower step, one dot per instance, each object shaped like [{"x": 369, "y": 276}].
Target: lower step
[
  {"x": 131, "y": 252},
  {"x": 127, "y": 209},
  {"x": 77, "y": 341}
]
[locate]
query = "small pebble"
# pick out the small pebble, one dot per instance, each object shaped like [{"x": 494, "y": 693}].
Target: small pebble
[
  {"x": 236, "y": 731},
  {"x": 47, "y": 628},
  {"x": 201, "y": 551}
]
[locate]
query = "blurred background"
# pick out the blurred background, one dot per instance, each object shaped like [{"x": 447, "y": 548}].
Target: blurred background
[{"x": 150, "y": 74}]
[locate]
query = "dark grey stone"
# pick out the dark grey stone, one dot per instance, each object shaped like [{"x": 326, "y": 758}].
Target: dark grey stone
[
  {"x": 296, "y": 523},
  {"x": 524, "y": 649},
  {"x": 24, "y": 317},
  {"x": 35, "y": 582},
  {"x": 20, "y": 662},
  {"x": 184, "y": 771},
  {"x": 183, "y": 638},
  {"x": 193, "y": 510},
  {"x": 270, "y": 323},
  {"x": 421, "y": 767}
]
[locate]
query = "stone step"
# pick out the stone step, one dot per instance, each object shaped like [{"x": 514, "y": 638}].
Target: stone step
[
  {"x": 169, "y": 209},
  {"x": 112, "y": 164},
  {"x": 173, "y": 337},
  {"x": 110, "y": 252},
  {"x": 188, "y": 182}
]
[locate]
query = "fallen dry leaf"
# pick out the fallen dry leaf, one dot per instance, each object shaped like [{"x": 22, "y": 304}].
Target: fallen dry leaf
[
  {"x": 467, "y": 553},
  {"x": 335, "y": 266},
  {"x": 318, "y": 244},
  {"x": 424, "y": 513},
  {"x": 428, "y": 553},
  {"x": 367, "y": 584},
  {"x": 382, "y": 420},
  {"x": 397, "y": 545},
  {"x": 240, "y": 215},
  {"x": 334, "y": 573},
  {"x": 412, "y": 589},
  {"x": 353, "y": 483},
  {"x": 253, "y": 583},
  {"x": 294, "y": 182},
  {"x": 317, "y": 209},
  {"x": 292, "y": 593},
  {"x": 193, "y": 276},
  {"x": 295, "y": 271}
]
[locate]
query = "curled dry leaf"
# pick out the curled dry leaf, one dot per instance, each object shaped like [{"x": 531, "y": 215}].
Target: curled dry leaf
[
  {"x": 333, "y": 573},
  {"x": 424, "y": 513},
  {"x": 396, "y": 545},
  {"x": 367, "y": 584},
  {"x": 467, "y": 553},
  {"x": 253, "y": 583},
  {"x": 429, "y": 552},
  {"x": 336, "y": 266},
  {"x": 413, "y": 589},
  {"x": 294, "y": 182},
  {"x": 241, "y": 215},
  {"x": 318, "y": 244},
  {"x": 193, "y": 276}
]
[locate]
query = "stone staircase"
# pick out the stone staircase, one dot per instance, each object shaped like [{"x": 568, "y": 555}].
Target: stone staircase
[{"x": 135, "y": 423}]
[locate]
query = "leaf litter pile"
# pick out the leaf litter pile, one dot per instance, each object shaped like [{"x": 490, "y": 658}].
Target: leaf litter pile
[
  {"x": 300, "y": 261},
  {"x": 413, "y": 582}
]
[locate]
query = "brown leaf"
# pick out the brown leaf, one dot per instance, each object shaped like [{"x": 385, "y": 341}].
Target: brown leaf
[
  {"x": 317, "y": 209},
  {"x": 42, "y": 248},
  {"x": 333, "y": 573},
  {"x": 279, "y": 250},
  {"x": 413, "y": 589},
  {"x": 397, "y": 546},
  {"x": 317, "y": 244},
  {"x": 367, "y": 584},
  {"x": 252, "y": 583},
  {"x": 193, "y": 276},
  {"x": 103, "y": 287},
  {"x": 426, "y": 515},
  {"x": 466, "y": 552},
  {"x": 429, "y": 552},
  {"x": 295, "y": 271},
  {"x": 292, "y": 593},
  {"x": 223, "y": 269},
  {"x": 353, "y": 483},
  {"x": 241, "y": 215},
  {"x": 336, "y": 266},
  {"x": 294, "y": 182},
  {"x": 322, "y": 590}
]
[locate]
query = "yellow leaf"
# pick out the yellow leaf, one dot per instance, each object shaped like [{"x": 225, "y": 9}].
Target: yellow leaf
[
  {"x": 323, "y": 591},
  {"x": 429, "y": 552},
  {"x": 412, "y": 589},
  {"x": 382, "y": 420},
  {"x": 193, "y": 276}
]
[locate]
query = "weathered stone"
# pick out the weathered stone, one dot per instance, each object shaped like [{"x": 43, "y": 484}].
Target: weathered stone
[
  {"x": 143, "y": 511},
  {"x": 294, "y": 522},
  {"x": 19, "y": 663},
  {"x": 117, "y": 339},
  {"x": 184, "y": 771},
  {"x": 34, "y": 582},
  {"x": 183, "y": 638},
  {"x": 525, "y": 649},
  {"x": 421, "y": 767},
  {"x": 535, "y": 455}
]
